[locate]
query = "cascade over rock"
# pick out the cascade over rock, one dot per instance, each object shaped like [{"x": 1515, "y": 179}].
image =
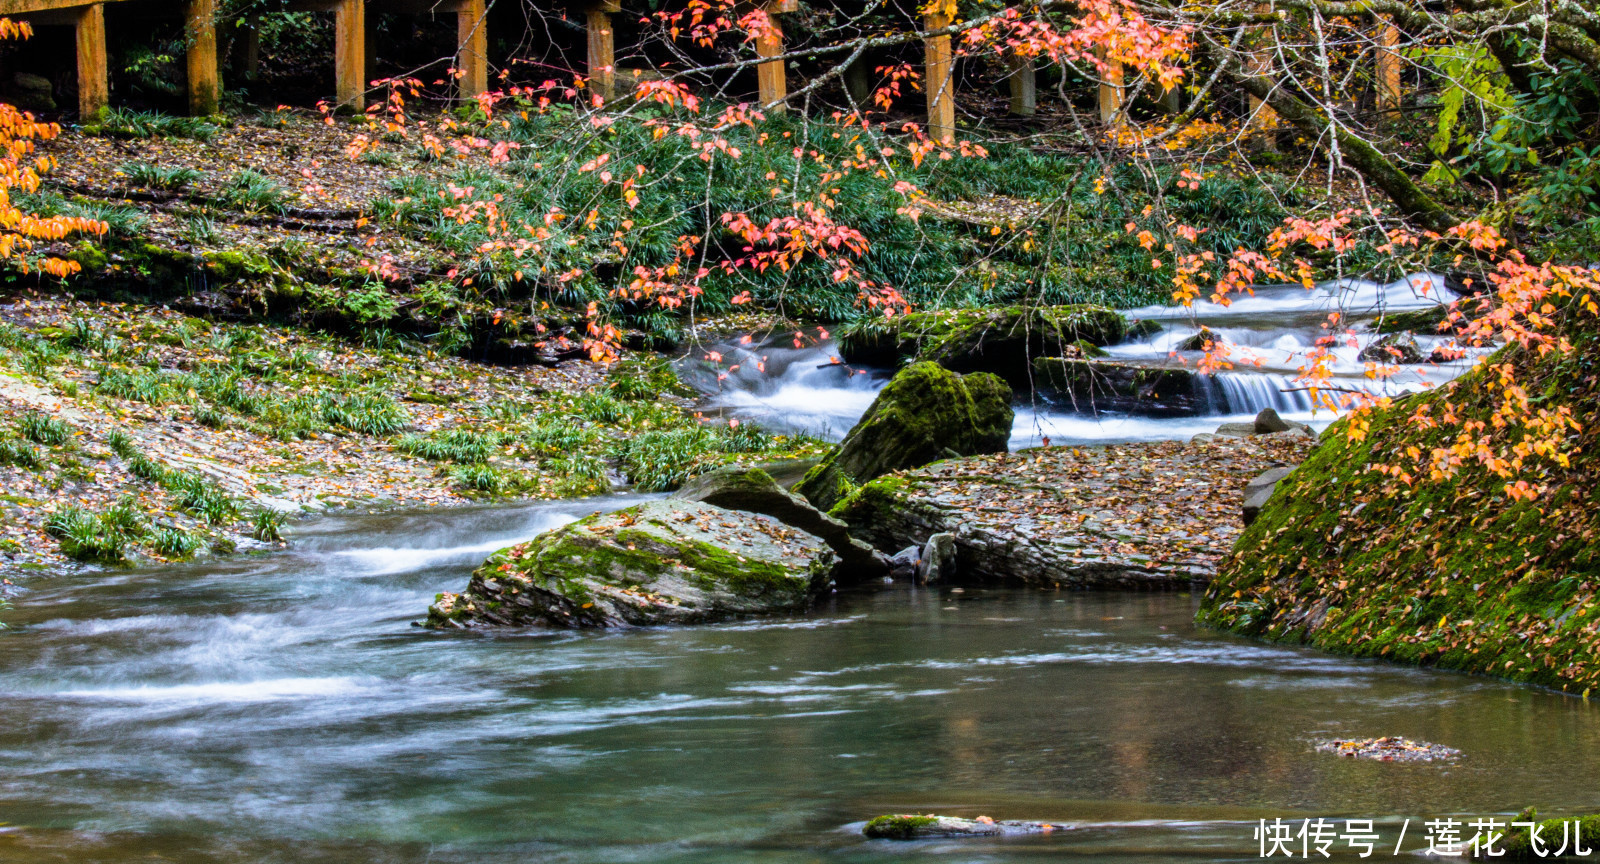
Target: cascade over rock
[
  {"x": 926, "y": 413},
  {"x": 662, "y": 562}
]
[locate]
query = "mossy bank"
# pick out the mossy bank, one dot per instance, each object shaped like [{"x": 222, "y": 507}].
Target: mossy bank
[{"x": 1451, "y": 573}]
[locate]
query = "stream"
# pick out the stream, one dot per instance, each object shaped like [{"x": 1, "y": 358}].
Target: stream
[
  {"x": 802, "y": 389},
  {"x": 281, "y": 708}
]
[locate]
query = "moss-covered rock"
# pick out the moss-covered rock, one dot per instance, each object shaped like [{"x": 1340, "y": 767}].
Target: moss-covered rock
[
  {"x": 753, "y": 490},
  {"x": 1113, "y": 386},
  {"x": 662, "y": 562},
  {"x": 1000, "y": 340},
  {"x": 1568, "y": 836},
  {"x": 1449, "y": 572},
  {"x": 926, "y": 413}
]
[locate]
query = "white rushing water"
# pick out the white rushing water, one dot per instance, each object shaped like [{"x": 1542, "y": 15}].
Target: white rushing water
[{"x": 1269, "y": 335}]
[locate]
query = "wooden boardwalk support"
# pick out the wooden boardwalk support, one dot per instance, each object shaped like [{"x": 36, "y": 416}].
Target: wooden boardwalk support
[
  {"x": 1111, "y": 96},
  {"x": 94, "y": 88},
  {"x": 937, "y": 77},
  {"x": 1024, "y": 84},
  {"x": 204, "y": 88},
  {"x": 1389, "y": 70},
  {"x": 771, "y": 80},
  {"x": 602, "y": 48},
  {"x": 472, "y": 55}
]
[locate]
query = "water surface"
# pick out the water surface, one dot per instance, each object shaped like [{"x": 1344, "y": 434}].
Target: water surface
[{"x": 283, "y": 709}]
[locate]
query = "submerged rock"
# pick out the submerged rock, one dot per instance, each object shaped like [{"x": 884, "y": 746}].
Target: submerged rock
[
  {"x": 1113, "y": 386},
  {"x": 662, "y": 562},
  {"x": 754, "y": 491},
  {"x": 925, "y": 413},
  {"x": 914, "y": 827},
  {"x": 998, "y": 340}
]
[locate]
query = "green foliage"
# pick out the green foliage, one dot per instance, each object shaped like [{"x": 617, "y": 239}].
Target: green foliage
[
  {"x": 154, "y": 176},
  {"x": 454, "y": 445},
  {"x": 43, "y": 429},
  {"x": 660, "y": 460},
  {"x": 19, "y": 454},
  {"x": 267, "y": 525},
  {"x": 479, "y": 478},
  {"x": 120, "y": 123},
  {"x": 366, "y": 413},
  {"x": 173, "y": 542},
  {"x": 101, "y": 538},
  {"x": 254, "y": 192}
]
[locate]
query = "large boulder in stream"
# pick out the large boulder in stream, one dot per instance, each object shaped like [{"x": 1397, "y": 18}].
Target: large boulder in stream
[
  {"x": 663, "y": 562},
  {"x": 1107, "y": 385},
  {"x": 926, "y": 413},
  {"x": 753, "y": 490},
  {"x": 998, "y": 340}
]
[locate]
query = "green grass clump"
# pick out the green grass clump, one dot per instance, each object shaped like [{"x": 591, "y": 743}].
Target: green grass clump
[
  {"x": 267, "y": 525},
  {"x": 19, "y": 454},
  {"x": 454, "y": 445},
  {"x": 479, "y": 478},
  {"x": 203, "y": 498},
  {"x": 152, "y": 176},
  {"x": 254, "y": 192},
  {"x": 175, "y": 543},
  {"x": 122, "y": 123},
  {"x": 43, "y": 429},
  {"x": 660, "y": 460},
  {"x": 366, "y": 413},
  {"x": 97, "y": 537}
]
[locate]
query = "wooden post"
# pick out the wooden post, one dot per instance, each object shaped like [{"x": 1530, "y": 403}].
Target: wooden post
[
  {"x": 350, "y": 53},
  {"x": 472, "y": 59},
  {"x": 1024, "y": 85},
  {"x": 202, "y": 57},
  {"x": 1111, "y": 96},
  {"x": 936, "y": 77},
  {"x": 94, "y": 91},
  {"x": 771, "y": 81},
  {"x": 1389, "y": 70},
  {"x": 602, "y": 50}
]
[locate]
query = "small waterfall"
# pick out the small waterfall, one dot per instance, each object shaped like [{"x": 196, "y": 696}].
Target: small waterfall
[{"x": 1249, "y": 392}]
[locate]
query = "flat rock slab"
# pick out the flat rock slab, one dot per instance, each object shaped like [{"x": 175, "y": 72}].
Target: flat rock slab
[
  {"x": 662, "y": 562},
  {"x": 1388, "y": 749},
  {"x": 915, "y": 827},
  {"x": 1125, "y": 515}
]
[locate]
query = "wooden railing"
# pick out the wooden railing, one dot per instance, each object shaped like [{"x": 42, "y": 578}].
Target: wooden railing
[{"x": 354, "y": 42}]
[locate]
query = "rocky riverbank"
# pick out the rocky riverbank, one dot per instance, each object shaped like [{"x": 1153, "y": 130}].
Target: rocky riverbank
[{"x": 1128, "y": 515}]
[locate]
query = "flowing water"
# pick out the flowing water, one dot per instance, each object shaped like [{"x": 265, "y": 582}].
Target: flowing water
[
  {"x": 282, "y": 708},
  {"x": 803, "y": 388}
]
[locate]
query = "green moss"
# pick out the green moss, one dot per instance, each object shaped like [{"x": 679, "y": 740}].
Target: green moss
[
  {"x": 897, "y": 827},
  {"x": 1553, "y": 834},
  {"x": 925, "y": 413}
]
